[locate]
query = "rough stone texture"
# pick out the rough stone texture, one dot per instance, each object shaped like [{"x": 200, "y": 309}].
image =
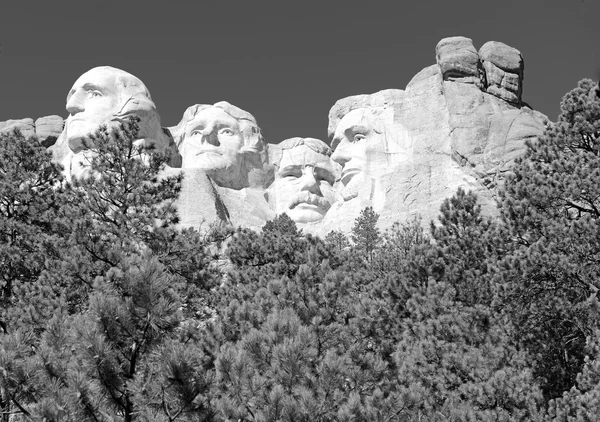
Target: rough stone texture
[
  {"x": 346, "y": 105},
  {"x": 458, "y": 60},
  {"x": 503, "y": 67},
  {"x": 459, "y": 135},
  {"x": 47, "y": 129},
  {"x": 26, "y": 126},
  {"x": 203, "y": 203}
]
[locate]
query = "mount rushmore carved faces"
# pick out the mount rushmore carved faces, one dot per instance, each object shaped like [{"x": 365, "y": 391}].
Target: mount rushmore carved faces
[
  {"x": 107, "y": 96},
  {"x": 304, "y": 178},
  {"x": 221, "y": 139}
]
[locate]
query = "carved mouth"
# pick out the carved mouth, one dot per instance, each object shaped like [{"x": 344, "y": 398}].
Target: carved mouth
[
  {"x": 309, "y": 200},
  {"x": 207, "y": 150}
]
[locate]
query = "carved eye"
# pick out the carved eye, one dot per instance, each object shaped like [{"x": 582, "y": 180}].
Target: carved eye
[
  {"x": 292, "y": 174},
  {"x": 359, "y": 137},
  {"x": 95, "y": 94},
  {"x": 226, "y": 131},
  {"x": 197, "y": 132}
]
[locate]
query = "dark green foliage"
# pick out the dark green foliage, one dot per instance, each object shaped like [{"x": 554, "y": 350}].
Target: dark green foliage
[
  {"x": 365, "y": 234},
  {"x": 551, "y": 208},
  {"x": 291, "y": 340},
  {"x": 337, "y": 239},
  {"x": 582, "y": 402},
  {"x": 467, "y": 249},
  {"x": 31, "y": 198},
  {"x": 455, "y": 362},
  {"x": 120, "y": 343}
]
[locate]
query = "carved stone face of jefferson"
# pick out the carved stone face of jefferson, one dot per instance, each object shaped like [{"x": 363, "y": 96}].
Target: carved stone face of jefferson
[
  {"x": 304, "y": 178},
  {"x": 221, "y": 139},
  {"x": 212, "y": 141}
]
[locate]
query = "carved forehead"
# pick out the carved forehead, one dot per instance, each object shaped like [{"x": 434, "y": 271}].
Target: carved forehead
[
  {"x": 303, "y": 155},
  {"x": 117, "y": 82},
  {"x": 315, "y": 144},
  {"x": 364, "y": 118},
  {"x": 210, "y": 115}
]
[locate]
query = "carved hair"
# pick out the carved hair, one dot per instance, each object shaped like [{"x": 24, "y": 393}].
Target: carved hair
[
  {"x": 134, "y": 100},
  {"x": 254, "y": 144},
  {"x": 315, "y": 144}
]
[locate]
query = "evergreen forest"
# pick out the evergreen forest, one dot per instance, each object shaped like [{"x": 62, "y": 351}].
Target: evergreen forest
[{"x": 110, "y": 312}]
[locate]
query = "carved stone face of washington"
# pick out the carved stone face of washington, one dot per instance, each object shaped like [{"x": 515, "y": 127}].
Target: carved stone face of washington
[{"x": 108, "y": 96}]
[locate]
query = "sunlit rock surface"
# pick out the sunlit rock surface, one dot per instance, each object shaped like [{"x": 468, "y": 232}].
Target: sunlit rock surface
[{"x": 47, "y": 129}]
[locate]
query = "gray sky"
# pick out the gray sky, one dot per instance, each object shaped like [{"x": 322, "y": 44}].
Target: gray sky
[{"x": 285, "y": 62}]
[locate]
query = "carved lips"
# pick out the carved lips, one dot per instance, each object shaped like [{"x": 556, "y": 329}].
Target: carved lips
[{"x": 307, "y": 198}]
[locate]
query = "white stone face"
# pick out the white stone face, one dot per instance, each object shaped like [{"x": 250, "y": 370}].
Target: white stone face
[
  {"x": 212, "y": 141},
  {"x": 92, "y": 101},
  {"x": 303, "y": 186},
  {"x": 107, "y": 96},
  {"x": 368, "y": 144}
]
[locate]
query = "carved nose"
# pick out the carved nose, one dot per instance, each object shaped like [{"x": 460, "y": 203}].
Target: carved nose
[
  {"x": 210, "y": 137},
  {"x": 341, "y": 154},
  {"x": 309, "y": 181},
  {"x": 75, "y": 105}
]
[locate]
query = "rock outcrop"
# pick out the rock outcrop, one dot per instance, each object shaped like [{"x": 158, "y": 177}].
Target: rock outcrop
[
  {"x": 503, "y": 67},
  {"x": 459, "y": 123},
  {"x": 47, "y": 129}
]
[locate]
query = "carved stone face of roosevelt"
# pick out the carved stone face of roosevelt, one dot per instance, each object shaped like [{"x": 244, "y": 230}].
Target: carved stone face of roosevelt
[
  {"x": 212, "y": 141},
  {"x": 303, "y": 186}
]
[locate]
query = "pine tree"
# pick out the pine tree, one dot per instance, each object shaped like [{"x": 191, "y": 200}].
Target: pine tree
[
  {"x": 338, "y": 239},
  {"x": 31, "y": 197},
  {"x": 456, "y": 362},
  {"x": 551, "y": 207},
  {"x": 365, "y": 234},
  {"x": 122, "y": 342}
]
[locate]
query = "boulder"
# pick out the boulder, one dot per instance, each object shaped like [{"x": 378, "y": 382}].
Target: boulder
[
  {"x": 26, "y": 126},
  {"x": 458, "y": 60},
  {"x": 503, "y": 66},
  {"x": 48, "y": 129}
]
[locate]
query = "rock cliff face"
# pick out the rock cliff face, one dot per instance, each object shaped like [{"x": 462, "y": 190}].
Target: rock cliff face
[{"x": 458, "y": 123}]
